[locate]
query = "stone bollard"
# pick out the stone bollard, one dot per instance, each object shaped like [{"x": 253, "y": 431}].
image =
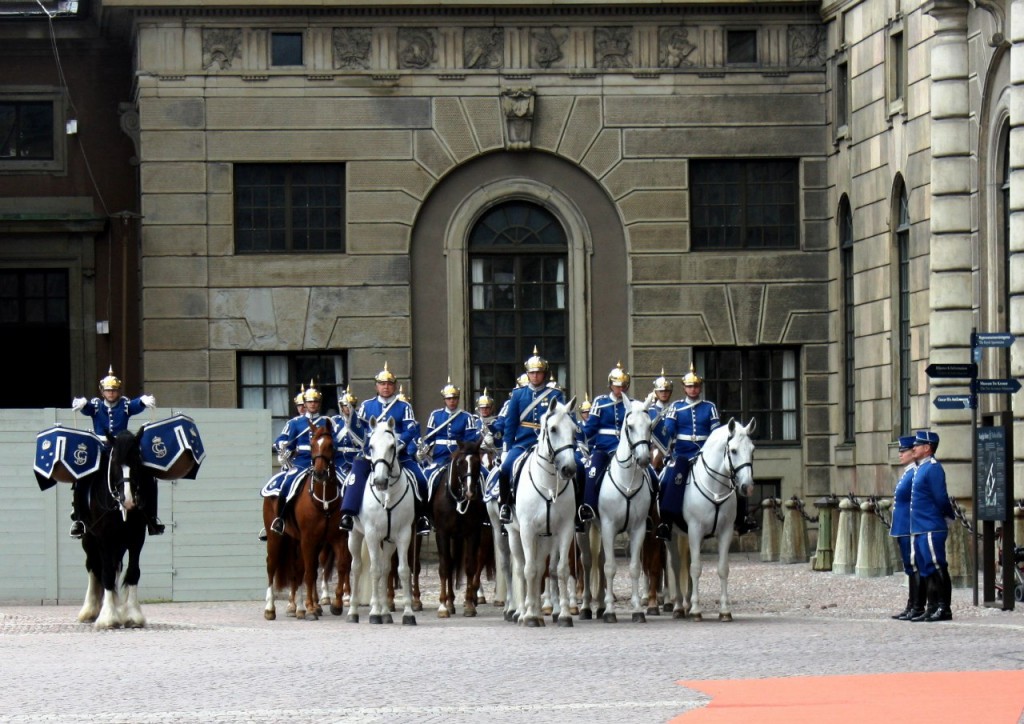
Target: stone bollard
[
  {"x": 1018, "y": 526},
  {"x": 845, "y": 559},
  {"x": 892, "y": 545},
  {"x": 794, "y": 533},
  {"x": 771, "y": 530},
  {"x": 872, "y": 552},
  {"x": 959, "y": 555},
  {"x": 822, "y": 560}
]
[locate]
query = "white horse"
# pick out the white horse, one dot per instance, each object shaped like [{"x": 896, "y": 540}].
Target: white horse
[
  {"x": 502, "y": 561},
  {"x": 385, "y": 521},
  {"x": 722, "y": 470},
  {"x": 543, "y": 519},
  {"x": 624, "y": 503}
]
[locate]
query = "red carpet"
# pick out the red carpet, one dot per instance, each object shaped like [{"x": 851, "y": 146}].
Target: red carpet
[{"x": 993, "y": 697}]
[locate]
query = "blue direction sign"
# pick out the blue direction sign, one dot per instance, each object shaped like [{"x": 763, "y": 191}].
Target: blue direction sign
[
  {"x": 955, "y": 402},
  {"x": 955, "y": 370},
  {"x": 992, "y": 339},
  {"x": 1006, "y": 387}
]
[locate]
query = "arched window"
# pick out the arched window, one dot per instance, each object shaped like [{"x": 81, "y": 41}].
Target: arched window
[
  {"x": 518, "y": 294},
  {"x": 849, "y": 366},
  {"x": 902, "y": 243}
]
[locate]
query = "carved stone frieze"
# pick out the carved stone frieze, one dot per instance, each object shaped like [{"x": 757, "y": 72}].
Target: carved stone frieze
[
  {"x": 221, "y": 47},
  {"x": 351, "y": 48},
  {"x": 517, "y": 105},
  {"x": 546, "y": 46},
  {"x": 675, "y": 48},
  {"x": 417, "y": 48},
  {"x": 613, "y": 47},
  {"x": 483, "y": 47},
  {"x": 806, "y": 45}
]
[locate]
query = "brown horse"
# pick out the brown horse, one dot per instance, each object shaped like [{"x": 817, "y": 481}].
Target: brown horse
[
  {"x": 284, "y": 564},
  {"x": 458, "y": 507},
  {"x": 653, "y": 555}
]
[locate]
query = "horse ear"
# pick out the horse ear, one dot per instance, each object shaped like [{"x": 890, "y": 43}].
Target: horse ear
[
  {"x": 373, "y": 421},
  {"x": 391, "y": 423},
  {"x": 732, "y": 425},
  {"x": 751, "y": 426},
  {"x": 570, "y": 404}
]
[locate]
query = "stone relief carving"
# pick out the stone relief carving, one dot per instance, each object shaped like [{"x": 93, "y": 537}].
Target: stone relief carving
[
  {"x": 221, "y": 47},
  {"x": 517, "y": 105},
  {"x": 131, "y": 126},
  {"x": 675, "y": 48},
  {"x": 612, "y": 47},
  {"x": 417, "y": 48},
  {"x": 483, "y": 47},
  {"x": 547, "y": 46},
  {"x": 806, "y": 45},
  {"x": 351, "y": 47}
]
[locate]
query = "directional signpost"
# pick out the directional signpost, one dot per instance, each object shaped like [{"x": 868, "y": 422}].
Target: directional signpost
[
  {"x": 956, "y": 402},
  {"x": 992, "y": 339},
  {"x": 954, "y": 371},
  {"x": 1003, "y": 387}
]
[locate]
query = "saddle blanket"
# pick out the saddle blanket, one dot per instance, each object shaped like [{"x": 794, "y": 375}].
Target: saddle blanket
[
  {"x": 289, "y": 482},
  {"x": 491, "y": 485},
  {"x": 164, "y": 443},
  {"x": 64, "y": 455}
]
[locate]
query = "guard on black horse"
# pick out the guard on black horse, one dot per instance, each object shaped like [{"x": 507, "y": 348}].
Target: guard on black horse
[
  {"x": 446, "y": 428},
  {"x": 110, "y": 414}
]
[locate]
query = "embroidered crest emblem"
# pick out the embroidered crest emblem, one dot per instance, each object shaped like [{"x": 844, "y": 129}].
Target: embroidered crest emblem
[
  {"x": 81, "y": 454},
  {"x": 159, "y": 448}
]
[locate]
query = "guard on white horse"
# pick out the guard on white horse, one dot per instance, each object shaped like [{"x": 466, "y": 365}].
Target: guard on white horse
[
  {"x": 601, "y": 431},
  {"x": 722, "y": 472},
  {"x": 543, "y": 522},
  {"x": 385, "y": 521}
]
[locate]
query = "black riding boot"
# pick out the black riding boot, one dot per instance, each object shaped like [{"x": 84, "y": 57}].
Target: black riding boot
[
  {"x": 928, "y": 597},
  {"x": 153, "y": 526},
  {"x": 423, "y": 526},
  {"x": 909, "y": 611},
  {"x": 79, "y": 504},
  {"x": 504, "y": 499},
  {"x": 943, "y": 611},
  {"x": 277, "y": 525},
  {"x": 742, "y": 524}
]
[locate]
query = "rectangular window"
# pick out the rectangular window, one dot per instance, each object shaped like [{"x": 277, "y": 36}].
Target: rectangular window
[
  {"x": 31, "y": 132},
  {"x": 754, "y": 382},
  {"x": 741, "y": 47},
  {"x": 896, "y": 71},
  {"x": 284, "y": 208},
  {"x": 285, "y": 49},
  {"x": 744, "y": 204},
  {"x": 842, "y": 99},
  {"x": 272, "y": 381}
]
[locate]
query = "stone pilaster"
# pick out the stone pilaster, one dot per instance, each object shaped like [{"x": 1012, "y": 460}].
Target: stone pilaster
[
  {"x": 1016, "y": 240},
  {"x": 949, "y": 277}
]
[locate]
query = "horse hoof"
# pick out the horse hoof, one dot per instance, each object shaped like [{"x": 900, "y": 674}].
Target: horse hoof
[
  {"x": 667, "y": 607},
  {"x": 610, "y": 617},
  {"x": 678, "y": 614},
  {"x": 391, "y": 607},
  {"x": 554, "y": 618},
  {"x": 639, "y": 618},
  {"x": 546, "y": 610},
  {"x": 653, "y": 611},
  {"x": 417, "y": 604},
  {"x": 586, "y": 614},
  {"x": 565, "y": 622},
  {"x": 510, "y": 616},
  {"x": 388, "y": 618},
  {"x": 336, "y": 610},
  {"x": 443, "y": 613},
  {"x": 481, "y": 600},
  {"x": 353, "y": 618},
  {"x": 270, "y": 615},
  {"x": 498, "y": 604},
  {"x": 600, "y": 613},
  {"x": 696, "y": 617},
  {"x": 290, "y": 614},
  {"x": 574, "y": 610},
  {"x": 376, "y": 618},
  {"x": 408, "y": 620},
  {"x": 469, "y": 613},
  {"x": 725, "y": 616},
  {"x": 534, "y": 623}
]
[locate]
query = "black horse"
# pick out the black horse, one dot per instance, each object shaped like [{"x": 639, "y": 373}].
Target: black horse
[{"x": 115, "y": 524}]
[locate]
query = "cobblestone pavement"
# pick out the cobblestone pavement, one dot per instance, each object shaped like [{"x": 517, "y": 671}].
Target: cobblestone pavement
[{"x": 222, "y": 662}]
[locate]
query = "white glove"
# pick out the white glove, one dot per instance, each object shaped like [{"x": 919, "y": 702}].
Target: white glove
[
  {"x": 489, "y": 440},
  {"x": 78, "y": 403},
  {"x": 422, "y": 454},
  {"x": 283, "y": 456},
  {"x": 148, "y": 400},
  {"x": 650, "y": 399}
]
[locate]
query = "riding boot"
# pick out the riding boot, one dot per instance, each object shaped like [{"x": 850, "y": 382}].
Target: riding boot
[
  {"x": 943, "y": 611},
  {"x": 663, "y": 531},
  {"x": 928, "y": 597},
  {"x": 153, "y": 526},
  {"x": 907, "y": 612},
  {"x": 277, "y": 525},
  {"x": 77, "y": 526},
  {"x": 742, "y": 524},
  {"x": 504, "y": 497},
  {"x": 423, "y": 526}
]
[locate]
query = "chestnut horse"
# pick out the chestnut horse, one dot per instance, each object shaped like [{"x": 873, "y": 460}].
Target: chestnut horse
[{"x": 459, "y": 513}]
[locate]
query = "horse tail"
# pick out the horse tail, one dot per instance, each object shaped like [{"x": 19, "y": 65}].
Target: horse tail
[
  {"x": 459, "y": 553},
  {"x": 486, "y": 555}
]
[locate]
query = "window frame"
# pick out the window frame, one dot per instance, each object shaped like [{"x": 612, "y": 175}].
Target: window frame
[
  {"x": 331, "y": 378},
  {"x": 747, "y": 33},
  {"x": 701, "y": 183},
  {"x": 287, "y": 190},
  {"x": 55, "y": 165},
  {"x": 902, "y": 226},
  {"x": 271, "y": 50},
  {"x": 707, "y": 360},
  {"x": 847, "y": 272},
  {"x": 896, "y": 68}
]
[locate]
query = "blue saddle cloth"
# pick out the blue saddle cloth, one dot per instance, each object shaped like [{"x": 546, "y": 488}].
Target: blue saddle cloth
[
  {"x": 162, "y": 444},
  {"x": 64, "y": 455},
  {"x": 491, "y": 486},
  {"x": 284, "y": 483}
]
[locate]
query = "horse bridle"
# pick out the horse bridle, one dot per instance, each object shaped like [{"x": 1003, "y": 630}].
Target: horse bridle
[
  {"x": 554, "y": 452},
  {"x": 632, "y": 445},
  {"x": 389, "y": 464},
  {"x": 729, "y": 481},
  {"x": 322, "y": 476},
  {"x": 462, "y": 502}
]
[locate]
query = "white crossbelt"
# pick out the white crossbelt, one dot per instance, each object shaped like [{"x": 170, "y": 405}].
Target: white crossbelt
[
  {"x": 446, "y": 442},
  {"x": 692, "y": 438},
  {"x": 608, "y": 431}
]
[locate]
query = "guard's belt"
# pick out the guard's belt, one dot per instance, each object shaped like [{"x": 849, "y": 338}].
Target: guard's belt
[
  {"x": 446, "y": 442},
  {"x": 608, "y": 431},
  {"x": 692, "y": 438},
  {"x": 532, "y": 425}
]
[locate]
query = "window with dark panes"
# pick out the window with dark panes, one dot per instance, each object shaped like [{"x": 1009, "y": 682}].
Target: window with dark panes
[
  {"x": 285, "y": 49},
  {"x": 34, "y": 310},
  {"x": 289, "y": 207},
  {"x": 744, "y": 204},
  {"x": 271, "y": 381},
  {"x": 849, "y": 332},
  {"x": 741, "y": 47},
  {"x": 842, "y": 95},
  {"x": 903, "y": 305},
  {"x": 753, "y": 382},
  {"x": 26, "y": 130},
  {"x": 518, "y": 292}
]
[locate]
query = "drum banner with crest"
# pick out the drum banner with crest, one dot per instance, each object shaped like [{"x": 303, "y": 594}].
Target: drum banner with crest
[
  {"x": 64, "y": 455},
  {"x": 172, "y": 448}
]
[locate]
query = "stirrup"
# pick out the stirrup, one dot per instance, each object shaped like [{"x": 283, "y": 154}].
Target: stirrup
[
  {"x": 277, "y": 526},
  {"x": 505, "y": 513},
  {"x": 346, "y": 523},
  {"x": 155, "y": 527},
  {"x": 663, "y": 532},
  {"x": 423, "y": 526},
  {"x": 262, "y": 535},
  {"x": 586, "y": 513},
  {"x": 77, "y": 529}
]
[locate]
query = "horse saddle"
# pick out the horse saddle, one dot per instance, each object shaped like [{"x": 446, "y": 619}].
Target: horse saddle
[
  {"x": 172, "y": 449},
  {"x": 491, "y": 485},
  {"x": 64, "y": 455},
  {"x": 286, "y": 483}
]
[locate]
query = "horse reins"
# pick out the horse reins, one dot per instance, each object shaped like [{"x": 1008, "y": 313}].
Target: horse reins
[
  {"x": 390, "y": 468},
  {"x": 322, "y": 476},
  {"x": 629, "y": 493},
  {"x": 554, "y": 471}
]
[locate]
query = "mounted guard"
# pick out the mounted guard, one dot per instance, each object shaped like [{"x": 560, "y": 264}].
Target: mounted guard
[
  {"x": 601, "y": 431},
  {"x": 348, "y": 443},
  {"x": 662, "y": 392},
  {"x": 446, "y": 428}
]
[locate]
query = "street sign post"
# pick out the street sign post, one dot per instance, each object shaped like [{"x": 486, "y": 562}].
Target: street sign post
[
  {"x": 967, "y": 369},
  {"x": 1004, "y": 387},
  {"x": 992, "y": 339},
  {"x": 955, "y": 402}
]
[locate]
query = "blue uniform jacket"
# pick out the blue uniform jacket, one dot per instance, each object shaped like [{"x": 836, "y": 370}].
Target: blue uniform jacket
[
  {"x": 901, "y": 503},
  {"x": 346, "y": 444},
  {"x": 296, "y": 437},
  {"x": 453, "y": 428},
  {"x": 522, "y": 433},
  {"x": 111, "y": 419},
  {"x": 929, "y": 501},
  {"x": 602, "y": 428},
  {"x": 406, "y": 426},
  {"x": 689, "y": 424},
  {"x": 659, "y": 432}
]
